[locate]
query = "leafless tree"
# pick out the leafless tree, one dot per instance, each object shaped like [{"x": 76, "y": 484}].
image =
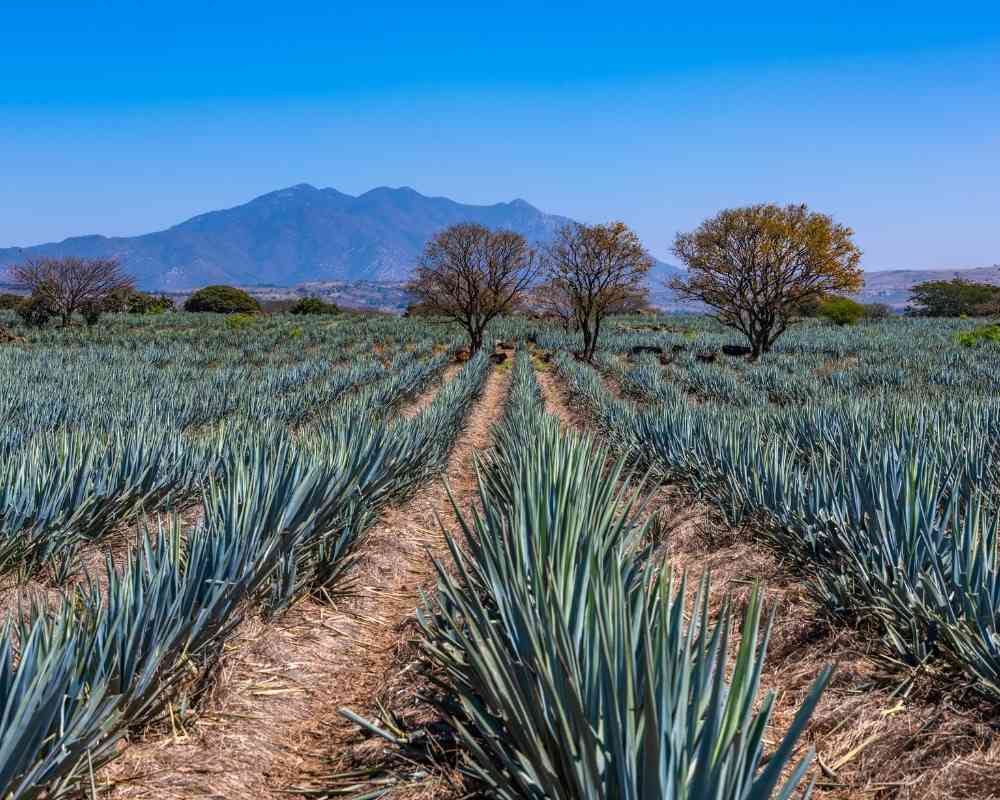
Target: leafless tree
[
  {"x": 550, "y": 299},
  {"x": 70, "y": 284},
  {"x": 596, "y": 270},
  {"x": 471, "y": 274}
]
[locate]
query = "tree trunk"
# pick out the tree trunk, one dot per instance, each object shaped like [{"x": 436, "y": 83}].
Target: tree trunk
[
  {"x": 588, "y": 340},
  {"x": 593, "y": 340},
  {"x": 475, "y": 341}
]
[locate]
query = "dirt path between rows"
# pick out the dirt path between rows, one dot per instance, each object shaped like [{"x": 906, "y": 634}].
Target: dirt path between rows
[
  {"x": 397, "y": 570},
  {"x": 556, "y": 402},
  {"x": 272, "y": 729},
  {"x": 426, "y": 397}
]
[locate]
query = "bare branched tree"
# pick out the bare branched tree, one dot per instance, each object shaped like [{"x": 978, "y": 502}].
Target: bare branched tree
[
  {"x": 71, "y": 284},
  {"x": 471, "y": 274},
  {"x": 598, "y": 270},
  {"x": 551, "y": 300}
]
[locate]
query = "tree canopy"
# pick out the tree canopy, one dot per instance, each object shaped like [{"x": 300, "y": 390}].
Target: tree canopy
[
  {"x": 593, "y": 271},
  {"x": 755, "y": 266},
  {"x": 222, "y": 300},
  {"x": 313, "y": 305},
  {"x": 69, "y": 285},
  {"x": 954, "y": 298},
  {"x": 471, "y": 274}
]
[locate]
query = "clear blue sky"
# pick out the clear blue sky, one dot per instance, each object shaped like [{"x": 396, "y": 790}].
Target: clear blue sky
[{"x": 124, "y": 117}]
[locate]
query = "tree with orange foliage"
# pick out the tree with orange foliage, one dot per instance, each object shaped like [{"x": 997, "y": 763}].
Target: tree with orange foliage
[
  {"x": 594, "y": 271},
  {"x": 755, "y": 265}
]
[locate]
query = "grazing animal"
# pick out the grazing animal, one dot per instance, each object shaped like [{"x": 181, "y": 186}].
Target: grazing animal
[{"x": 735, "y": 350}]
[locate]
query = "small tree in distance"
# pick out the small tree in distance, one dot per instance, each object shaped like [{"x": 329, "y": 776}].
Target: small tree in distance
[
  {"x": 68, "y": 285},
  {"x": 471, "y": 274},
  {"x": 222, "y": 300},
  {"x": 313, "y": 305},
  {"x": 551, "y": 300},
  {"x": 755, "y": 266},
  {"x": 594, "y": 271},
  {"x": 954, "y": 298}
]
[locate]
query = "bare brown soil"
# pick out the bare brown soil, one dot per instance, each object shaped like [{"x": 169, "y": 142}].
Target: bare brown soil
[
  {"x": 556, "y": 400},
  {"x": 424, "y": 399},
  {"x": 272, "y": 728},
  {"x": 6, "y": 337}
]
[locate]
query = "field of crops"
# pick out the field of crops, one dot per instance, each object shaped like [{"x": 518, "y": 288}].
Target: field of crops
[{"x": 327, "y": 557}]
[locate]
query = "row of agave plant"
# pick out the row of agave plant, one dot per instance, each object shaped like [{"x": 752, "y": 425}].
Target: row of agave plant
[
  {"x": 808, "y": 363},
  {"x": 60, "y": 489},
  {"x": 888, "y": 503},
  {"x": 283, "y": 517},
  {"x": 180, "y": 386},
  {"x": 572, "y": 666}
]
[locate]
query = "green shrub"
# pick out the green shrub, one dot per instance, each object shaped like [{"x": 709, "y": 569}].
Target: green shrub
[
  {"x": 36, "y": 311},
  {"x": 313, "y": 305},
  {"x": 222, "y": 300},
  {"x": 841, "y": 310},
  {"x": 10, "y": 302},
  {"x": 131, "y": 301},
  {"x": 237, "y": 322},
  {"x": 984, "y": 333}
]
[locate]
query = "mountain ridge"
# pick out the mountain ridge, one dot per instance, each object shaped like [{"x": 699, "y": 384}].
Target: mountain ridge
[{"x": 299, "y": 234}]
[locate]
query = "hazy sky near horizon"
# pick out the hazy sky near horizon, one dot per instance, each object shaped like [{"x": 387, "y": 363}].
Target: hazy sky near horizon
[{"x": 126, "y": 117}]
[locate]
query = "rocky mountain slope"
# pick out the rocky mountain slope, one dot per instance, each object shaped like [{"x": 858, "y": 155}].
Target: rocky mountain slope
[{"x": 297, "y": 235}]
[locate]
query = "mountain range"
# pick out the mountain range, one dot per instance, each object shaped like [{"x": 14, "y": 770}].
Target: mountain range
[
  {"x": 315, "y": 239},
  {"x": 300, "y": 235}
]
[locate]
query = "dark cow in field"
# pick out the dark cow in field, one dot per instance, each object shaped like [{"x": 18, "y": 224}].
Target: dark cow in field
[{"x": 735, "y": 350}]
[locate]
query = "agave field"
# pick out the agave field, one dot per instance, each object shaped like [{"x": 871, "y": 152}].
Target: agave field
[{"x": 246, "y": 467}]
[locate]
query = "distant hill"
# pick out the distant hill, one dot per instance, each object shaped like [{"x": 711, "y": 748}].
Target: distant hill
[
  {"x": 892, "y": 287},
  {"x": 300, "y": 235}
]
